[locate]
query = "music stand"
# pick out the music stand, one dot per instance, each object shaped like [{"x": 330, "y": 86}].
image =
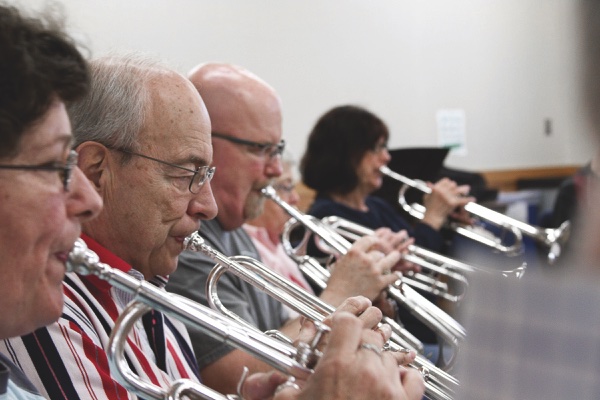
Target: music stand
[{"x": 424, "y": 163}]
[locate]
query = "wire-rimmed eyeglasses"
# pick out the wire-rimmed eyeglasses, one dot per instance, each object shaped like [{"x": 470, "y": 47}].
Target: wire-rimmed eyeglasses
[
  {"x": 284, "y": 187},
  {"x": 64, "y": 170},
  {"x": 270, "y": 149},
  {"x": 201, "y": 174}
]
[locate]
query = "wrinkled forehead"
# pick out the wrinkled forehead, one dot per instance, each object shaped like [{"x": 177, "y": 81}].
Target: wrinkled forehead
[{"x": 177, "y": 116}]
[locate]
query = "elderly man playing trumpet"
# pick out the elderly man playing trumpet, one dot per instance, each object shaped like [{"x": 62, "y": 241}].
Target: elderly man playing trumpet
[
  {"x": 137, "y": 114},
  {"x": 247, "y": 140},
  {"x": 143, "y": 137}
]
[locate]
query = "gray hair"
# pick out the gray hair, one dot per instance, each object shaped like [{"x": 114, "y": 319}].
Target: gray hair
[
  {"x": 116, "y": 108},
  {"x": 288, "y": 160}
]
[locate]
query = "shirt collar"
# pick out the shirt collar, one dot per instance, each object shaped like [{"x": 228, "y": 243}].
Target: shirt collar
[{"x": 107, "y": 257}]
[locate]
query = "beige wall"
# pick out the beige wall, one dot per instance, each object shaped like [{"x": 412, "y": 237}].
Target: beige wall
[{"x": 509, "y": 64}]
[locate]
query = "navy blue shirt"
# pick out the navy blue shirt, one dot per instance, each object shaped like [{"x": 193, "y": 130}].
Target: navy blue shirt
[
  {"x": 383, "y": 215},
  {"x": 380, "y": 215}
]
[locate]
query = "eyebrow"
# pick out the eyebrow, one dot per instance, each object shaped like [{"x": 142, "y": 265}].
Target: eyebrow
[{"x": 198, "y": 161}]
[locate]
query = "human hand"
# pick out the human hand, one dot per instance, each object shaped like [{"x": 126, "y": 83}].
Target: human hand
[
  {"x": 353, "y": 367},
  {"x": 369, "y": 316},
  {"x": 262, "y": 385},
  {"x": 445, "y": 199},
  {"x": 364, "y": 270},
  {"x": 399, "y": 241}
]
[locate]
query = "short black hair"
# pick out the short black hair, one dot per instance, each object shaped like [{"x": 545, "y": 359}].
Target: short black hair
[
  {"x": 39, "y": 63},
  {"x": 336, "y": 146}
]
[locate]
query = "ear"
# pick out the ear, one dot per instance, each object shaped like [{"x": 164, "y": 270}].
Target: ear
[{"x": 93, "y": 161}]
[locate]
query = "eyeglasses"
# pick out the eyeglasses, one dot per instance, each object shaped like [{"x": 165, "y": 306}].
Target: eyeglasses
[
  {"x": 64, "y": 170},
  {"x": 284, "y": 187},
  {"x": 379, "y": 147},
  {"x": 201, "y": 174},
  {"x": 263, "y": 149}
]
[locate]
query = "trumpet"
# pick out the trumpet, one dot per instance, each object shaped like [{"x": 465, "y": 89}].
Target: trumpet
[
  {"x": 439, "y": 385},
  {"x": 440, "y": 264},
  {"x": 331, "y": 242},
  {"x": 449, "y": 330},
  {"x": 295, "y": 362},
  {"x": 554, "y": 239}
]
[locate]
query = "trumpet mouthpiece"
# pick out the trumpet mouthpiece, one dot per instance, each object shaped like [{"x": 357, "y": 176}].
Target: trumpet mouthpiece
[
  {"x": 269, "y": 191},
  {"x": 193, "y": 241}
]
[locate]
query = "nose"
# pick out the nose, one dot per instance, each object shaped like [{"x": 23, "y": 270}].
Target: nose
[
  {"x": 83, "y": 202},
  {"x": 294, "y": 197},
  {"x": 203, "y": 206},
  {"x": 274, "y": 167},
  {"x": 385, "y": 154}
]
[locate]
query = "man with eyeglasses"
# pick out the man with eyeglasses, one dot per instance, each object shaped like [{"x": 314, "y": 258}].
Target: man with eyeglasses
[
  {"x": 247, "y": 143},
  {"x": 143, "y": 138}
]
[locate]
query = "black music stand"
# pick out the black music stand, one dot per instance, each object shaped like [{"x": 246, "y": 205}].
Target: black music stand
[{"x": 424, "y": 163}]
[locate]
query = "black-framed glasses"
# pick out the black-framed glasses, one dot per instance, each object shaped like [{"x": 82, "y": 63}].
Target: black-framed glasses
[
  {"x": 201, "y": 174},
  {"x": 65, "y": 170},
  {"x": 270, "y": 149}
]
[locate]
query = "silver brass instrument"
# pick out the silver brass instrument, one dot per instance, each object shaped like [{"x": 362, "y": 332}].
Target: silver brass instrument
[
  {"x": 443, "y": 265},
  {"x": 439, "y": 384},
  {"x": 448, "y": 329},
  {"x": 452, "y": 288},
  {"x": 282, "y": 356},
  {"x": 330, "y": 242},
  {"x": 554, "y": 239}
]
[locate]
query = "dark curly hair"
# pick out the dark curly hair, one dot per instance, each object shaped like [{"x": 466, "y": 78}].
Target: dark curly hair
[
  {"x": 38, "y": 64},
  {"x": 336, "y": 145}
]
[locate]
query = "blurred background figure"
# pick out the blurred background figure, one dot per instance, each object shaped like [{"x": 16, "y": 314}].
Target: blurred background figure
[
  {"x": 266, "y": 229},
  {"x": 574, "y": 194},
  {"x": 539, "y": 339}
]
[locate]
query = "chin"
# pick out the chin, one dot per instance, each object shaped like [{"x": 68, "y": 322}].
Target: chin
[
  {"x": 167, "y": 267},
  {"x": 49, "y": 315}
]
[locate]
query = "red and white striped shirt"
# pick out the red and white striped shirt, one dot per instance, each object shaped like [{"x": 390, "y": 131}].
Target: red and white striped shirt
[{"x": 67, "y": 360}]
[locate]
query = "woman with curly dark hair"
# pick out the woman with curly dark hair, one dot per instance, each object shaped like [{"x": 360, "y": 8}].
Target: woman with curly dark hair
[{"x": 345, "y": 150}]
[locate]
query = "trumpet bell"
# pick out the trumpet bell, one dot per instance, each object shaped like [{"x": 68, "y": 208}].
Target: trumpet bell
[{"x": 553, "y": 239}]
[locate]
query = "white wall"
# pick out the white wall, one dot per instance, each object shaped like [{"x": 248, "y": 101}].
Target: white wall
[{"x": 510, "y": 64}]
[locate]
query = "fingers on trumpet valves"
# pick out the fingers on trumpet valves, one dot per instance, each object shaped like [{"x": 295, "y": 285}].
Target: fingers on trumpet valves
[
  {"x": 371, "y": 347},
  {"x": 386, "y": 333},
  {"x": 290, "y": 384},
  {"x": 385, "y": 263},
  {"x": 309, "y": 345},
  {"x": 401, "y": 356},
  {"x": 377, "y": 255}
]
